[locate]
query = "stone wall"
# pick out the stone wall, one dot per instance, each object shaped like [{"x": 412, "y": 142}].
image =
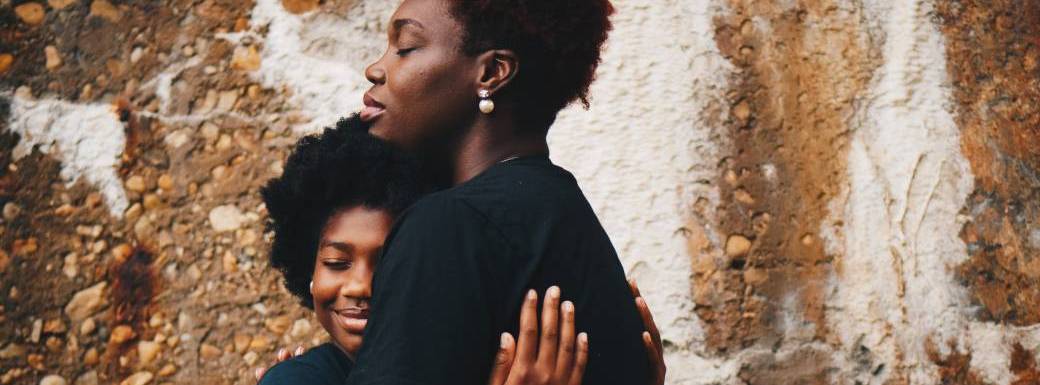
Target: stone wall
[{"x": 809, "y": 191}]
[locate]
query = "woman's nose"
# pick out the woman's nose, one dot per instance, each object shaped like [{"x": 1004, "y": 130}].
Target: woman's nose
[{"x": 375, "y": 72}]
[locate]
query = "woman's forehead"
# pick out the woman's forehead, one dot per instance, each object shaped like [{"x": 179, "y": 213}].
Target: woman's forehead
[{"x": 426, "y": 15}]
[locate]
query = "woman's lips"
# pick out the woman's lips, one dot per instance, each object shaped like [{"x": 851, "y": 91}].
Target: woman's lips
[
  {"x": 351, "y": 320},
  {"x": 372, "y": 109},
  {"x": 368, "y": 114}
]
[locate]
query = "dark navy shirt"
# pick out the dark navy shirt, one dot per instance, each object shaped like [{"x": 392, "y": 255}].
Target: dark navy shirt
[
  {"x": 323, "y": 365},
  {"x": 456, "y": 267}
]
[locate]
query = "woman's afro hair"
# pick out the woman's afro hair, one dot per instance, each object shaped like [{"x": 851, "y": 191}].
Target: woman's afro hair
[
  {"x": 558, "y": 42},
  {"x": 342, "y": 167}
]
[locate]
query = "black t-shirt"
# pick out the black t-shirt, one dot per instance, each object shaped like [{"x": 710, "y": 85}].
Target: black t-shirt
[
  {"x": 458, "y": 263},
  {"x": 323, "y": 365}
]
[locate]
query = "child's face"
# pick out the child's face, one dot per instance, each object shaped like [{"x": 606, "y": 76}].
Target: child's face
[{"x": 342, "y": 282}]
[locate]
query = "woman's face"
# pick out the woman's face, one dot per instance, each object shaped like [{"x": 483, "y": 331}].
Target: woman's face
[
  {"x": 342, "y": 282},
  {"x": 424, "y": 86}
]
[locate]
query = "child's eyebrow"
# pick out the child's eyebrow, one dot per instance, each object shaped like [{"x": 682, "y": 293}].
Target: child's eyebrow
[{"x": 341, "y": 246}]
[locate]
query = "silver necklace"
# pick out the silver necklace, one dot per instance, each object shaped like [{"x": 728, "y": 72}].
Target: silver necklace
[{"x": 508, "y": 159}]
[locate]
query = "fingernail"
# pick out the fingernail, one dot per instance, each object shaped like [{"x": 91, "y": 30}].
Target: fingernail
[
  {"x": 568, "y": 306},
  {"x": 646, "y": 336},
  {"x": 583, "y": 338},
  {"x": 257, "y": 372},
  {"x": 503, "y": 340},
  {"x": 532, "y": 295},
  {"x": 299, "y": 350},
  {"x": 282, "y": 352},
  {"x": 554, "y": 292}
]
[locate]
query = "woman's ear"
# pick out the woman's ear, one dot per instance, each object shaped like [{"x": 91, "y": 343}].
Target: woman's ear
[{"x": 498, "y": 67}]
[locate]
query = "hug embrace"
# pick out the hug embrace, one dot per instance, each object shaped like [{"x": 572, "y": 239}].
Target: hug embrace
[{"x": 431, "y": 234}]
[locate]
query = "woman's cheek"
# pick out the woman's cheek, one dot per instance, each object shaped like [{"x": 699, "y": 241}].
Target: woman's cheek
[{"x": 412, "y": 80}]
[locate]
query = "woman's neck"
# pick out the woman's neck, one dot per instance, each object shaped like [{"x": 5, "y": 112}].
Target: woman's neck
[{"x": 488, "y": 143}]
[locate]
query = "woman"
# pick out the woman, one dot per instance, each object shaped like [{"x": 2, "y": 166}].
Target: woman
[
  {"x": 330, "y": 213},
  {"x": 472, "y": 87}
]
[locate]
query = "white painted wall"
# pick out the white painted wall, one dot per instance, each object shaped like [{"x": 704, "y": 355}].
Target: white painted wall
[
  {"x": 896, "y": 291},
  {"x": 88, "y": 139},
  {"x": 639, "y": 151}
]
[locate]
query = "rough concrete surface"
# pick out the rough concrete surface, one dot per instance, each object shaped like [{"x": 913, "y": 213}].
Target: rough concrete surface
[{"x": 808, "y": 191}]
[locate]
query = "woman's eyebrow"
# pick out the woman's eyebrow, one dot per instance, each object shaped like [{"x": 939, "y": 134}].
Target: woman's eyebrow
[{"x": 400, "y": 23}]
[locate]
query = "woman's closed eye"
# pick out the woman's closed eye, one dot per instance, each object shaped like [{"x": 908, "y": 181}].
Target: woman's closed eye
[{"x": 405, "y": 51}]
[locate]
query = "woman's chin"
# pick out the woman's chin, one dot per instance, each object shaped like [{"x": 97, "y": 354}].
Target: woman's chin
[
  {"x": 380, "y": 130},
  {"x": 385, "y": 130}
]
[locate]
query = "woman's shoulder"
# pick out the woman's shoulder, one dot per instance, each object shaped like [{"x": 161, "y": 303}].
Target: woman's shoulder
[
  {"x": 320, "y": 365},
  {"x": 437, "y": 206}
]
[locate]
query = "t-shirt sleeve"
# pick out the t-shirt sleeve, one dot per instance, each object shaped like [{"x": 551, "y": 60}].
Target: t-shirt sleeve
[
  {"x": 293, "y": 372},
  {"x": 430, "y": 320}
]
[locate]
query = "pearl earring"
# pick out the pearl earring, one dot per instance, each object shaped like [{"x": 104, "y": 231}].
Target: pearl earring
[
  {"x": 486, "y": 105},
  {"x": 312, "y": 285}
]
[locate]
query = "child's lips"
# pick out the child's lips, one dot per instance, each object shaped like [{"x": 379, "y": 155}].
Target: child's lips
[{"x": 353, "y": 320}]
